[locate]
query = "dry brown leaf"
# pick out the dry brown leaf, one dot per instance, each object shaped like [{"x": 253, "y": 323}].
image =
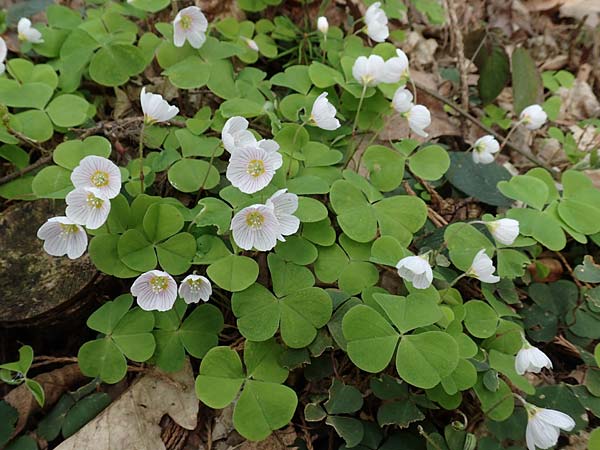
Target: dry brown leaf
[
  {"x": 132, "y": 421},
  {"x": 54, "y": 383},
  {"x": 279, "y": 440},
  {"x": 578, "y": 9}
]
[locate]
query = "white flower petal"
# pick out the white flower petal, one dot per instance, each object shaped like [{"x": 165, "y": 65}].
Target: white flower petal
[
  {"x": 419, "y": 118},
  {"x": 191, "y": 24},
  {"x": 97, "y": 172},
  {"x": 367, "y": 71},
  {"x": 323, "y": 113},
  {"x": 156, "y": 108},
  {"x": 377, "y": 23},
  {"x": 533, "y": 117},
  {"x": 417, "y": 270},
  {"x": 155, "y": 291},
  {"x": 323, "y": 25},
  {"x": 504, "y": 231},
  {"x": 194, "y": 288},
  {"x": 255, "y": 227},
  {"x": 403, "y": 100},
  {"x": 63, "y": 237}
]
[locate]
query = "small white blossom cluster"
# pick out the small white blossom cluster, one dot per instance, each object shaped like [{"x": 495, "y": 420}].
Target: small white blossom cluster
[
  {"x": 484, "y": 149},
  {"x": 96, "y": 181},
  {"x": 373, "y": 70},
  {"x": 156, "y": 290},
  {"x": 251, "y": 168}
]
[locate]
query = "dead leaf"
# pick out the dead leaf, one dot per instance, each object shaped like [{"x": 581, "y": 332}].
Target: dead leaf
[
  {"x": 132, "y": 421},
  {"x": 578, "y": 9},
  {"x": 122, "y": 104},
  {"x": 279, "y": 440},
  {"x": 54, "y": 383}
]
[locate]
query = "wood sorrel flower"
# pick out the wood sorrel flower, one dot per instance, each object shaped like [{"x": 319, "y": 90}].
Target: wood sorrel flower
[
  {"x": 62, "y": 236},
  {"x": 419, "y": 118},
  {"x": 504, "y": 231},
  {"x": 395, "y": 68},
  {"x": 156, "y": 108},
  {"x": 533, "y": 117},
  {"x": 194, "y": 288},
  {"x": 417, "y": 270},
  {"x": 403, "y": 100},
  {"x": 544, "y": 425},
  {"x": 87, "y": 206},
  {"x": 323, "y": 25},
  {"x": 3, "y": 53},
  {"x": 531, "y": 359},
  {"x": 27, "y": 33},
  {"x": 155, "y": 291},
  {"x": 483, "y": 268},
  {"x": 256, "y": 227},
  {"x": 252, "y": 168},
  {"x": 484, "y": 149},
  {"x": 99, "y": 173},
  {"x": 323, "y": 113},
  {"x": 190, "y": 24},
  {"x": 235, "y": 134},
  {"x": 284, "y": 206},
  {"x": 367, "y": 71},
  {"x": 377, "y": 23}
]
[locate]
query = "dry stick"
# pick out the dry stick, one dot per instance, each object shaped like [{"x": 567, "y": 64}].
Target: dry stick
[
  {"x": 462, "y": 112},
  {"x": 39, "y": 163},
  {"x": 460, "y": 52}
]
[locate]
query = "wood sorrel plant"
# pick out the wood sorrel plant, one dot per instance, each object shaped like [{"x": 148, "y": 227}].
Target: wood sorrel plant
[{"x": 278, "y": 172}]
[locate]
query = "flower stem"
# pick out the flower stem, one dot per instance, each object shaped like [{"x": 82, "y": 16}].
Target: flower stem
[
  {"x": 360, "y": 102},
  {"x": 461, "y": 276},
  {"x": 141, "y": 156},
  {"x": 511, "y": 131},
  {"x": 289, "y": 167}
]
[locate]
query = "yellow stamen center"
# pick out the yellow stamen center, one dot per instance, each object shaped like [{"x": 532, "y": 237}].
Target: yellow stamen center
[
  {"x": 94, "y": 202},
  {"x": 186, "y": 22},
  {"x": 255, "y": 168},
  {"x": 99, "y": 178},
  {"x": 159, "y": 284},
  {"x": 69, "y": 229},
  {"x": 195, "y": 284},
  {"x": 255, "y": 219}
]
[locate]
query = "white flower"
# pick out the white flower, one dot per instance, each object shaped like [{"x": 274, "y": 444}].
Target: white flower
[
  {"x": 484, "y": 149},
  {"x": 395, "y": 68},
  {"x": 155, "y": 291},
  {"x": 419, "y": 118},
  {"x": 284, "y": 206},
  {"x": 252, "y": 45},
  {"x": 377, "y": 23},
  {"x": 194, "y": 288},
  {"x": 403, "y": 100},
  {"x": 504, "y": 231},
  {"x": 367, "y": 71},
  {"x": 3, "y": 53},
  {"x": 417, "y": 270},
  {"x": 62, "y": 236},
  {"x": 544, "y": 425},
  {"x": 323, "y": 25},
  {"x": 533, "y": 117},
  {"x": 235, "y": 134},
  {"x": 190, "y": 24},
  {"x": 256, "y": 227},
  {"x": 482, "y": 268},
  {"x": 97, "y": 172},
  {"x": 88, "y": 206},
  {"x": 323, "y": 113},
  {"x": 27, "y": 33},
  {"x": 156, "y": 108},
  {"x": 252, "y": 168},
  {"x": 531, "y": 359}
]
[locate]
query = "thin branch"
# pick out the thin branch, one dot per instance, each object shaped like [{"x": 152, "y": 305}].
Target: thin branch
[
  {"x": 39, "y": 163},
  {"x": 460, "y": 53},
  {"x": 527, "y": 154}
]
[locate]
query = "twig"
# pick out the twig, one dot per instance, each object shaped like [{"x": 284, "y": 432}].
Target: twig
[
  {"x": 45, "y": 360},
  {"x": 460, "y": 53},
  {"x": 39, "y": 163},
  {"x": 534, "y": 159},
  {"x": 433, "y": 215}
]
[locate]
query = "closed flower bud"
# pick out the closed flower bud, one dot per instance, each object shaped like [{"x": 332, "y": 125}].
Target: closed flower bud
[
  {"x": 531, "y": 359},
  {"x": 504, "y": 231},
  {"x": 323, "y": 25},
  {"x": 533, "y": 117}
]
